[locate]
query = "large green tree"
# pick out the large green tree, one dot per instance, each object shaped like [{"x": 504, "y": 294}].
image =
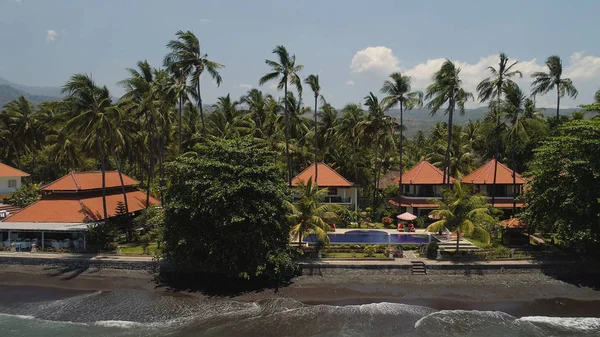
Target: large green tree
[
  {"x": 564, "y": 189},
  {"x": 544, "y": 82},
  {"x": 287, "y": 72},
  {"x": 446, "y": 89},
  {"x": 225, "y": 210},
  {"x": 398, "y": 91}
]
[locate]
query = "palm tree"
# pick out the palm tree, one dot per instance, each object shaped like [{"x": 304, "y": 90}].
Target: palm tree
[
  {"x": 313, "y": 82},
  {"x": 187, "y": 59},
  {"x": 308, "y": 215},
  {"x": 398, "y": 91},
  {"x": 446, "y": 89},
  {"x": 94, "y": 120},
  {"x": 23, "y": 127},
  {"x": 493, "y": 87},
  {"x": 461, "y": 212},
  {"x": 288, "y": 71},
  {"x": 544, "y": 82}
]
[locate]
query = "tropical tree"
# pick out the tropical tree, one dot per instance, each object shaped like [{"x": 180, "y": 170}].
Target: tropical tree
[
  {"x": 446, "y": 89},
  {"x": 186, "y": 59},
  {"x": 308, "y": 215},
  {"x": 288, "y": 71},
  {"x": 461, "y": 212},
  {"x": 313, "y": 83},
  {"x": 399, "y": 93},
  {"x": 544, "y": 82},
  {"x": 24, "y": 124},
  {"x": 493, "y": 87},
  {"x": 95, "y": 119}
]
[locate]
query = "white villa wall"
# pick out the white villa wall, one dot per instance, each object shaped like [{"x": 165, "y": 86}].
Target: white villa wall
[{"x": 4, "y": 184}]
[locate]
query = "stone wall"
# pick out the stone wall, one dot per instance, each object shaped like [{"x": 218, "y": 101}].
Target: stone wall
[{"x": 79, "y": 263}]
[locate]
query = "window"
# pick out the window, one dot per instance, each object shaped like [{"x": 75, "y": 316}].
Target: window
[
  {"x": 12, "y": 184},
  {"x": 332, "y": 191}
]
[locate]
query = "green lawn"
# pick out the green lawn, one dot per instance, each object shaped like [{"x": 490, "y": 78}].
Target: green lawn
[{"x": 132, "y": 249}]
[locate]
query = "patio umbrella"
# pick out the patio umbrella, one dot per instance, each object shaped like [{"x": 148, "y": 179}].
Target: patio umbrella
[{"x": 406, "y": 216}]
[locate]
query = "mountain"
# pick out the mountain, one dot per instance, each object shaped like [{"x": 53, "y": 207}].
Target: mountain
[
  {"x": 9, "y": 93},
  {"x": 33, "y": 90}
]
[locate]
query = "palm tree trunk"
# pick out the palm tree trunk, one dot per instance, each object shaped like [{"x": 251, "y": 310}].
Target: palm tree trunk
[
  {"x": 129, "y": 233},
  {"x": 150, "y": 166},
  {"x": 287, "y": 137},
  {"x": 401, "y": 150},
  {"x": 161, "y": 171},
  {"x": 495, "y": 174},
  {"x": 180, "y": 120},
  {"x": 447, "y": 157},
  {"x": 103, "y": 176},
  {"x": 316, "y": 142},
  {"x": 457, "y": 241},
  {"x": 497, "y": 147},
  {"x": 300, "y": 236},
  {"x": 200, "y": 107},
  {"x": 557, "y": 104},
  {"x": 514, "y": 176},
  {"x": 375, "y": 174}
]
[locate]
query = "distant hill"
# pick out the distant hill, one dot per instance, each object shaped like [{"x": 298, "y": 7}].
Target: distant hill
[
  {"x": 33, "y": 90},
  {"x": 8, "y": 93}
]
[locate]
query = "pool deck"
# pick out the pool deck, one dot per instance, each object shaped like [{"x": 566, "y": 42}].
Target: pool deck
[{"x": 386, "y": 230}]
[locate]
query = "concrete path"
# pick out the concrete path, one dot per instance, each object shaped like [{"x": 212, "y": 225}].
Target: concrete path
[{"x": 69, "y": 256}]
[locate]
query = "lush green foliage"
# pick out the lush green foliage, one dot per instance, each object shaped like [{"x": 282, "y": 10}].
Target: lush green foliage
[
  {"x": 565, "y": 186},
  {"x": 26, "y": 195},
  {"x": 432, "y": 249},
  {"x": 225, "y": 211}
]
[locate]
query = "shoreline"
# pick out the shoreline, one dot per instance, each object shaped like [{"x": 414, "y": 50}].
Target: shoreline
[{"x": 472, "y": 292}]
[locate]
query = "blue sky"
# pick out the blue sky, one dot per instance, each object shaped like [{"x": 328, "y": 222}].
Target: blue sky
[{"x": 352, "y": 45}]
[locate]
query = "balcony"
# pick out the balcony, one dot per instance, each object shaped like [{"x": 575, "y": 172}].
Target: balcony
[
  {"x": 422, "y": 195},
  {"x": 332, "y": 200}
]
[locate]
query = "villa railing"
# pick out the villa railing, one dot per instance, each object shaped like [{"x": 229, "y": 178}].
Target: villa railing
[
  {"x": 332, "y": 200},
  {"x": 422, "y": 195}
]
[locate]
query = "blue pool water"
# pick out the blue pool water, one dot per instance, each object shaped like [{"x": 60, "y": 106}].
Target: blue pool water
[{"x": 375, "y": 237}]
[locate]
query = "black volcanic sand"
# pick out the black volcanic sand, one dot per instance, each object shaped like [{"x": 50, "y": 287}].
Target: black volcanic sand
[{"x": 532, "y": 294}]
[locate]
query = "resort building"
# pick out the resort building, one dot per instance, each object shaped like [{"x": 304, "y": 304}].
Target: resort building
[
  {"x": 68, "y": 206},
  {"x": 420, "y": 184},
  {"x": 10, "y": 179},
  {"x": 341, "y": 191},
  {"x": 482, "y": 180}
]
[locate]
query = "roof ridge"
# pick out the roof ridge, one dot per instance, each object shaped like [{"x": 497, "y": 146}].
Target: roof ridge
[
  {"x": 75, "y": 180},
  {"x": 336, "y": 172}
]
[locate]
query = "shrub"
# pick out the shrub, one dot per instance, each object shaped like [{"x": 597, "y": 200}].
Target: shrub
[
  {"x": 419, "y": 222},
  {"x": 370, "y": 251},
  {"x": 410, "y": 247},
  {"x": 432, "y": 249},
  {"x": 356, "y": 247}
]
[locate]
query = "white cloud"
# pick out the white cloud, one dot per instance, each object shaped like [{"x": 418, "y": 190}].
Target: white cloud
[
  {"x": 350, "y": 83},
  {"x": 244, "y": 86},
  {"x": 273, "y": 86},
  {"x": 51, "y": 35},
  {"x": 19, "y": 1},
  {"x": 205, "y": 20},
  {"x": 379, "y": 59},
  {"x": 582, "y": 69}
]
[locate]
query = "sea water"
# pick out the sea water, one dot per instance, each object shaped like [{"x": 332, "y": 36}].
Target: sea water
[{"x": 142, "y": 313}]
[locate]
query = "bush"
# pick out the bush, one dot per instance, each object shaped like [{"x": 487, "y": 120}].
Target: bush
[
  {"x": 356, "y": 247},
  {"x": 432, "y": 249},
  {"x": 370, "y": 251},
  {"x": 26, "y": 195},
  {"x": 419, "y": 222},
  {"x": 102, "y": 236},
  {"x": 410, "y": 247}
]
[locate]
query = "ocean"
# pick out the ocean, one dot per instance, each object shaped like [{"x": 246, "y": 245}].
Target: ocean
[{"x": 38, "y": 311}]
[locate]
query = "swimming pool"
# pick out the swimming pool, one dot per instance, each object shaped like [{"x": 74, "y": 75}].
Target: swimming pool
[{"x": 375, "y": 237}]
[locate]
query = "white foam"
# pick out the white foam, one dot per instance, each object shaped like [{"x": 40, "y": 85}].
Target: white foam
[
  {"x": 17, "y": 316},
  {"x": 119, "y": 324},
  {"x": 580, "y": 324}
]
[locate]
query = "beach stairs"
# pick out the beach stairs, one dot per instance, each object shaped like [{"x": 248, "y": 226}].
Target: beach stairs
[{"x": 418, "y": 268}]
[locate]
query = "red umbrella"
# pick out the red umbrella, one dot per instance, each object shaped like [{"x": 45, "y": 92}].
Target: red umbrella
[{"x": 406, "y": 216}]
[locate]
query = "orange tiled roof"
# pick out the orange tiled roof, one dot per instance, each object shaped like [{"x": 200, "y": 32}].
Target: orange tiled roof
[
  {"x": 9, "y": 171},
  {"x": 82, "y": 181},
  {"x": 327, "y": 177},
  {"x": 485, "y": 175},
  {"x": 423, "y": 174},
  {"x": 65, "y": 208}
]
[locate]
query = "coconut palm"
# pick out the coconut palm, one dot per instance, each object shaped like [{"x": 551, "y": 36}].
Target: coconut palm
[
  {"x": 446, "y": 90},
  {"x": 186, "y": 58},
  {"x": 544, "y": 82},
  {"x": 399, "y": 93},
  {"x": 288, "y": 70},
  {"x": 313, "y": 83},
  {"x": 461, "y": 212},
  {"x": 308, "y": 215},
  {"x": 94, "y": 120},
  {"x": 492, "y": 88},
  {"x": 23, "y": 125}
]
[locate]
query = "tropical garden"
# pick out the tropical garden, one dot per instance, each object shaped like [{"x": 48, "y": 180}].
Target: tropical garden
[{"x": 158, "y": 129}]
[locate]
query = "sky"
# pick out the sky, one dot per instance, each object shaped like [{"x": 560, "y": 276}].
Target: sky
[{"x": 352, "y": 45}]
